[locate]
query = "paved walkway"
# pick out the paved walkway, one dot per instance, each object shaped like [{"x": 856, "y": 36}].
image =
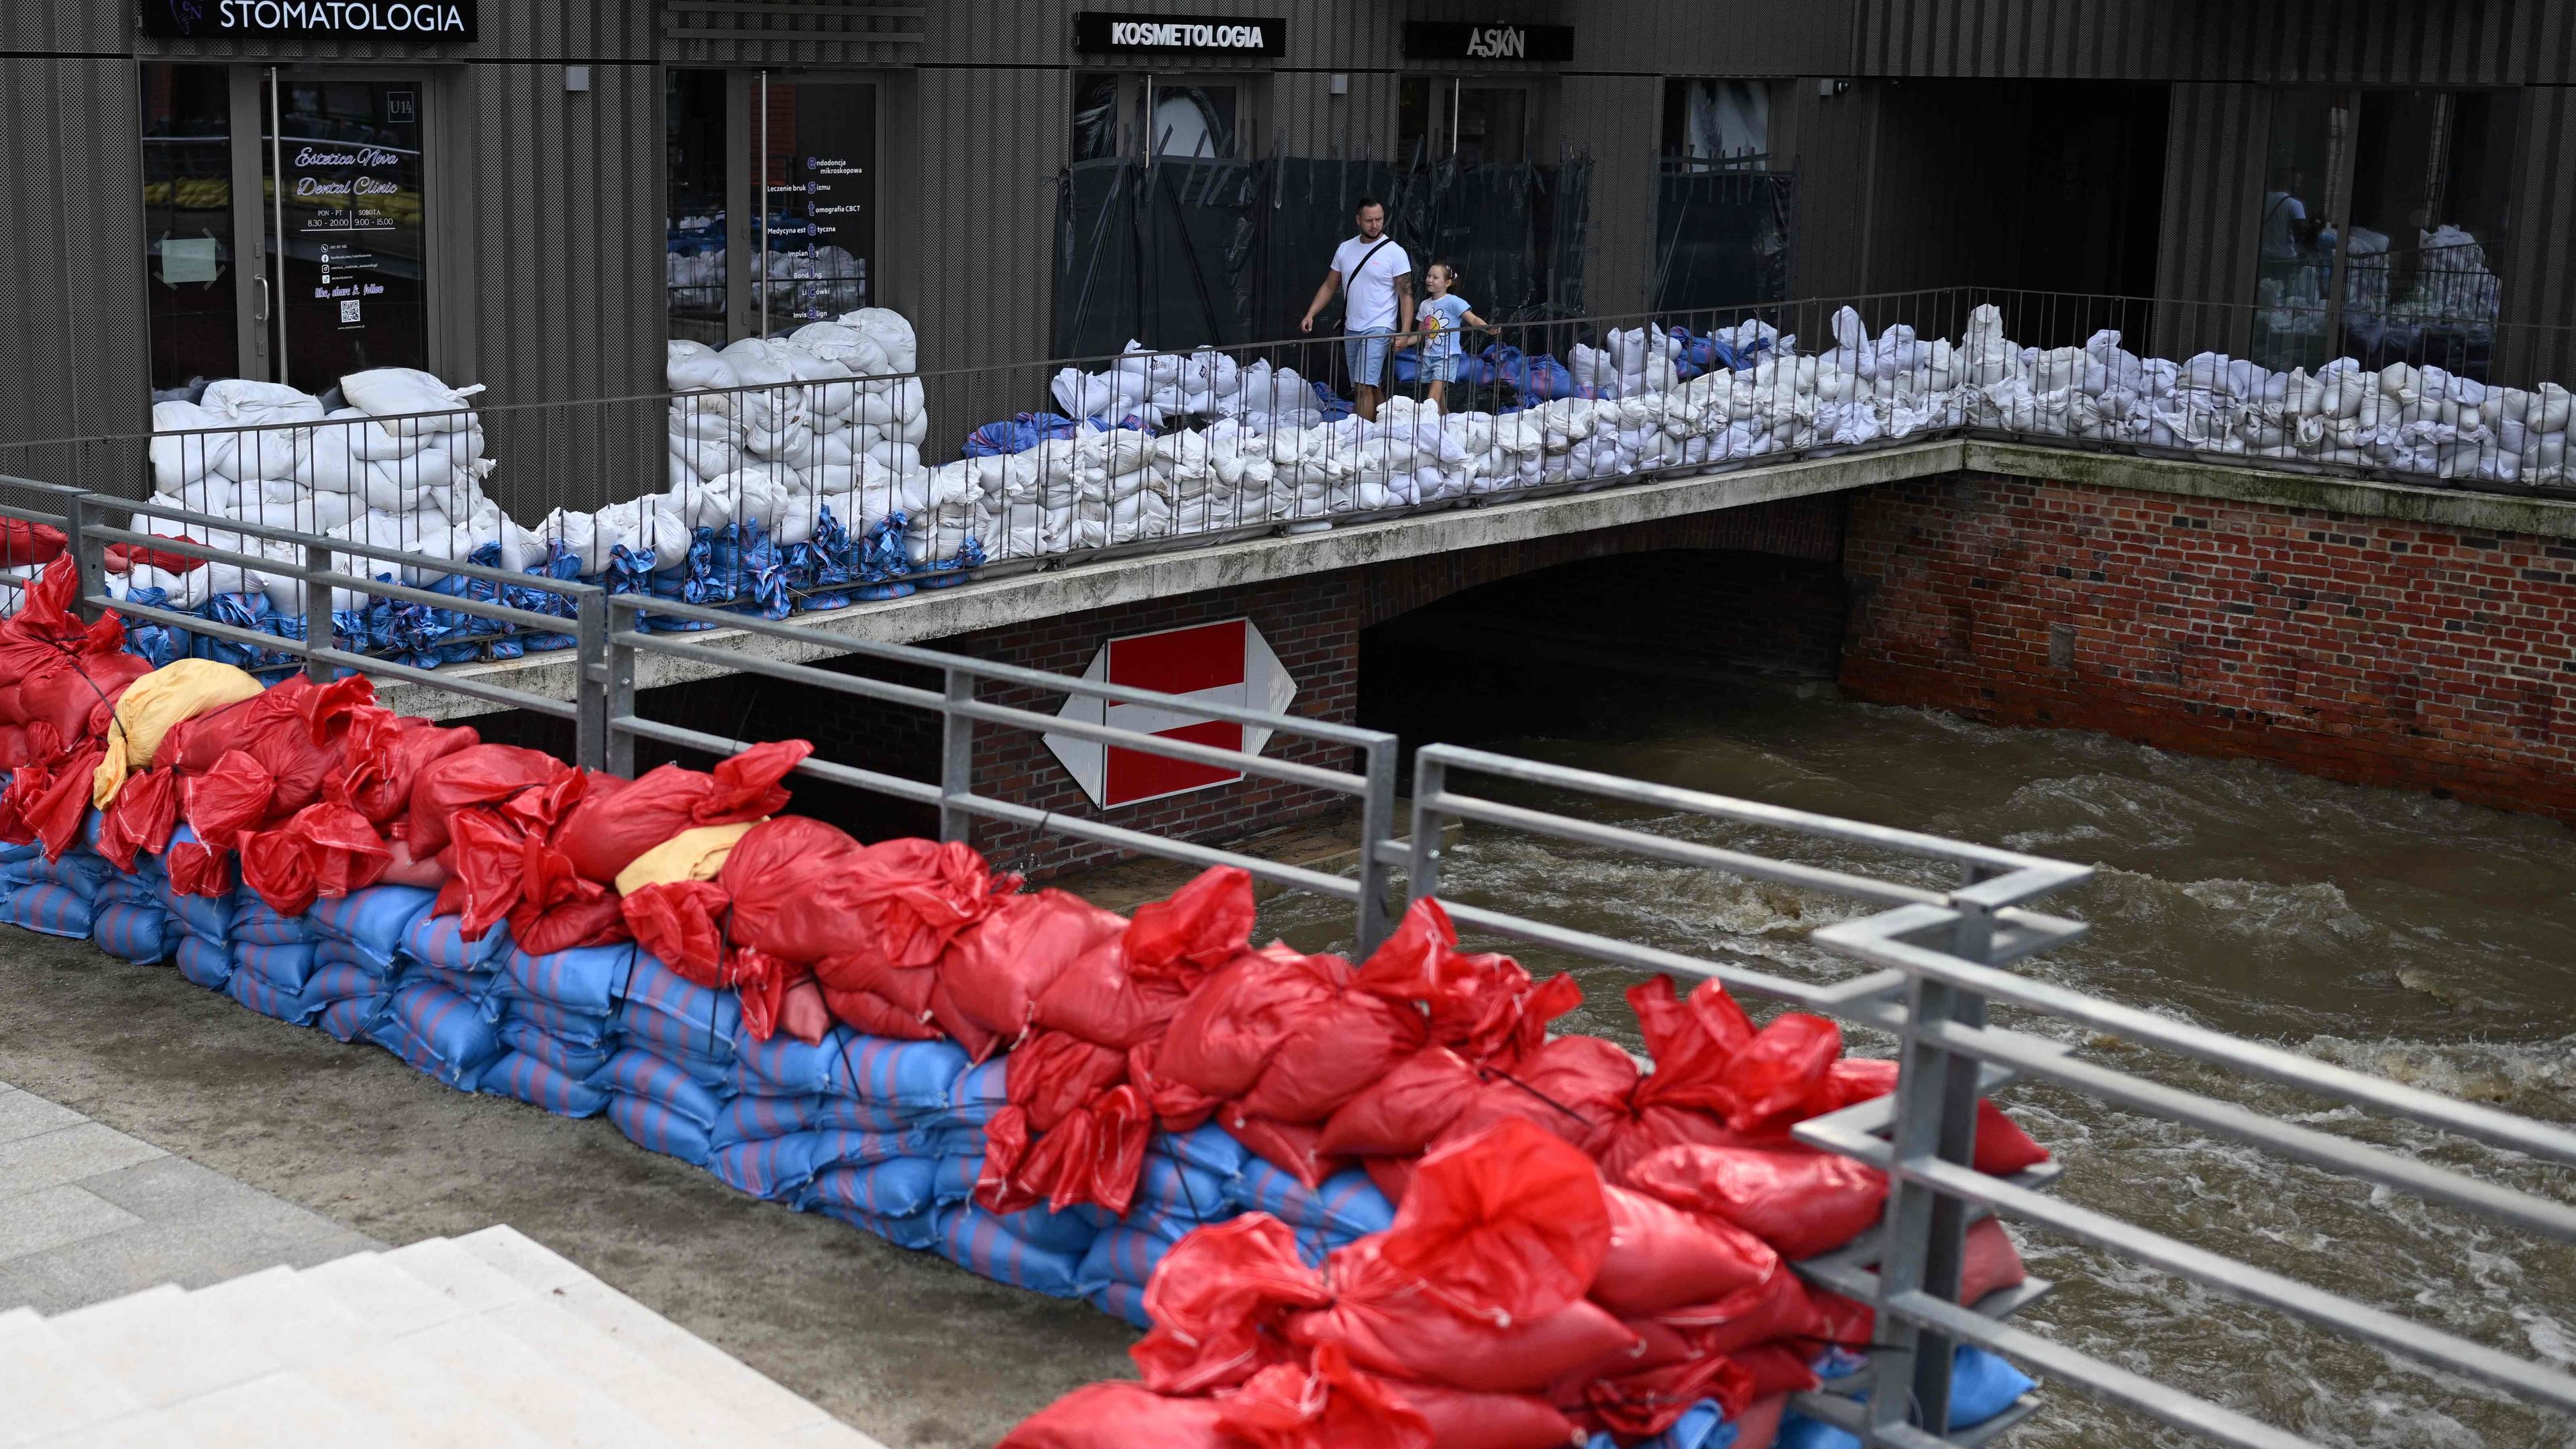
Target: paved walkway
[{"x": 88, "y": 1213}]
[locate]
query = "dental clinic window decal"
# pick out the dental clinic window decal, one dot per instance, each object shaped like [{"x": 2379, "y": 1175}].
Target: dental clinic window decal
[
  {"x": 343, "y": 19},
  {"x": 350, "y": 170}
]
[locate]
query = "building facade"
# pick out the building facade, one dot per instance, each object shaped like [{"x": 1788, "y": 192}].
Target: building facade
[{"x": 536, "y": 197}]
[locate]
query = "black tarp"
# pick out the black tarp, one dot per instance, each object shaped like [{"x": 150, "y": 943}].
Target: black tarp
[
  {"x": 1722, "y": 238},
  {"x": 1179, "y": 253}
]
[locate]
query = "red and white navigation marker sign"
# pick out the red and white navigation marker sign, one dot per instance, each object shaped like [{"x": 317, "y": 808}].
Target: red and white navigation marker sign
[{"x": 1228, "y": 663}]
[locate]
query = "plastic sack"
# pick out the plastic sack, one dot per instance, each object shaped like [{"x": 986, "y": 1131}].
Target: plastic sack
[
  {"x": 1484, "y": 1006},
  {"x": 2003, "y": 1148},
  {"x": 1124, "y": 993},
  {"x": 440, "y": 1032},
  {"x": 1330, "y": 1406},
  {"x": 1778, "y": 1077},
  {"x": 1005, "y": 954},
  {"x": 1800, "y": 1201},
  {"x": 138, "y": 933},
  {"x": 201, "y": 962},
  {"x": 1458, "y": 1419},
  {"x": 780, "y": 877},
  {"x": 897, "y": 1188},
  {"x": 1661, "y": 1257},
  {"x": 1345, "y": 1206},
  {"x": 540, "y": 1083},
  {"x": 141, "y": 819},
  {"x": 1122, "y": 1416},
  {"x": 1221, "y": 1303},
  {"x": 383, "y": 757},
  {"x": 1406, "y": 1110},
  {"x": 694, "y": 855},
  {"x": 656, "y": 1128},
  {"x": 1388, "y": 1325},
  {"x": 373, "y": 922},
  {"x": 609, "y": 828},
  {"x": 1510, "y": 1224},
  {"x": 475, "y": 775},
  {"x": 323, "y": 850},
  {"x": 981, "y": 1244},
  {"x": 153, "y": 705}
]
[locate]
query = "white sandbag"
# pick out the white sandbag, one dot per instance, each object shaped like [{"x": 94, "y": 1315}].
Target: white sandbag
[
  {"x": 394, "y": 395},
  {"x": 889, "y": 330},
  {"x": 182, "y": 451},
  {"x": 694, "y": 365},
  {"x": 245, "y": 403}
]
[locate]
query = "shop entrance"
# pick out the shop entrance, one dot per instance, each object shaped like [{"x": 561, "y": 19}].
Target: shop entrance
[
  {"x": 807, "y": 249},
  {"x": 285, "y": 224}
]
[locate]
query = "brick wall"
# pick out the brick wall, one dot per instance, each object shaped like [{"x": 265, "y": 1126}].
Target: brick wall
[{"x": 2360, "y": 649}]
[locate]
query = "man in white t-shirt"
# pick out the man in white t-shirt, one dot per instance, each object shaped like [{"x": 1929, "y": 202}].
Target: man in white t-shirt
[{"x": 1379, "y": 277}]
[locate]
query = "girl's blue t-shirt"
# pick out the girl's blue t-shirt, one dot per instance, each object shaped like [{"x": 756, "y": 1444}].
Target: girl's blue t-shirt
[{"x": 1441, "y": 319}]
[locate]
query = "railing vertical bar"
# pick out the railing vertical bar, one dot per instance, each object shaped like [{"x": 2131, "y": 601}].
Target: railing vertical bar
[{"x": 956, "y": 758}]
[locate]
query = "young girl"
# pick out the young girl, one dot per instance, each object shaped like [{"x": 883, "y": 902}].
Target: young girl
[{"x": 1443, "y": 314}]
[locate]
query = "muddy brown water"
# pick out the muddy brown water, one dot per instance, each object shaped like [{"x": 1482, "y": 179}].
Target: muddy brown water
[{"x": 2387, "y": 931}]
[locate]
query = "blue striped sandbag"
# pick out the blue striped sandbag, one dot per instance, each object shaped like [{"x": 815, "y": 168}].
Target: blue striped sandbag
[
  {"x": 1122, "y": 1255},
  {"x": 785, "y": 1067},
  {"x": 589, "y": 980},
  {"x": 339, "y": 980},
  {"x": 676, "y": 1038},
  {"x": 269, "y": 999},
  {"x": 836, "y": 1147},
  {"x": 749, "y": 1117},
  {"x": 583, "y": 1063},
  {"x": 1182, "y": 1191},
  {"x": 454, "y": 1043},
  {"x": 899, "y": 1188},
  {"x": 139, "y": 933},
  {"x": 204, "y": 963},
  {"x": 919, "y": 1231},
  {"x": 1122, "y": 1300},
  {"x": 773, "y": 1169},
  {"x": 665, "y": 1007},
  {"x": 656, "y": 1128},
  {"x": 372, "y": 921},
  {"x": 635, "y": 1072},
  {"x": 143, "y": 888},
  {"x": 579, "y": 1028},
  {"x": 440, "y": 941},
  {"x": 1208, "y": 1147},
  {"x": 81, "y": 872},
  {"x": 254, "y": 922},
  {"x": 10, "y": 852},
  {"x": 957, "y": 1174},
  {"x": 540, "y": 1083},
  {"x": 53, "y": 909},
  {"x": 285, "y": 967},
  {"x": 1174, "y": 1224},
  {"x": 1069, "y": 1231},
  {"x": 352, "y": 1018},
  {"x": 1347, "y": 1206},
  {"x": 209, "y": 919},
  {"x": 916, "y": 1075},
  {"x": 976, "y": 1241}
]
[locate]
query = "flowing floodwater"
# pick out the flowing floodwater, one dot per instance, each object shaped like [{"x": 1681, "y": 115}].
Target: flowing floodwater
[{"x": 2392, "y": 932}]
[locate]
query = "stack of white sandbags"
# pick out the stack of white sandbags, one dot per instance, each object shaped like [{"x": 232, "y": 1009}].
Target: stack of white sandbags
[
  {"x": 1152, "y": 387},
  {"x": 399, "y": 463}
]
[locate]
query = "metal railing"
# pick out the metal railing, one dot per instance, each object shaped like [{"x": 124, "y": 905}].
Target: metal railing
[{"x": 1935, "y": 959}]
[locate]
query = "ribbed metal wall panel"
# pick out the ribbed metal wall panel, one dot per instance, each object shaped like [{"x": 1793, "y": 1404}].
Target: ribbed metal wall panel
[
  {"x": 828, "y": 33},
  {"x": 2213, "y": 205},
  {"x": 75, "y": 359},
  {"x": 1616, "y": 119},
  {"x": 2470, "y": 42}
]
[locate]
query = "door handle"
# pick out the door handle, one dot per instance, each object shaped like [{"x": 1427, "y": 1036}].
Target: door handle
[{"x": 263, "y": 298}]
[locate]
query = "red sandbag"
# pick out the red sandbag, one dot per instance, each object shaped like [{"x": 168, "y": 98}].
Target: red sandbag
[
  {"x": 1988, "y": 1262},
  {"x": 127, "y": 557},
  {"x": 1774, "y": 1368},
  {"x": 1575, "y": 1086},
  {"x": 788, "y": 881},
  {"x": 1052, "y": 1073},
  {"x": 1777, "y": 1307},
  {"x": 24, "y": 541},
  {"x": 49, "y": 806},
  {"x": 1288, "y": 1146},
  {"x": 1094, "y": 1154},
  {"x": 802, "y": 1013},
  {"x": 1645, "y": 1402},
  {"x": 1202, "y": 926},
  {"x": 2003, "y": 1148},
  {"x": 1226, "y": 1032},
  {"x": 1800, "y": 1201},
  {"x": 381, "y": 757},
  {"x": 603, "y": 836},
  {"x": 1384, "y": 1320},
  {"x": 1124, "y": 992},
  {"x": 70, "y": 693},
  {"x": 1662, "y": 1258},
  {"x": 475, "y": 775},
  {"x": 1330, "y": 1406},
  {"x": 585, "y": 915},
  {"x": 295, "y": 730},
  {"x": 1406, "y": 1110},
  {"x": 140, "y": 819},
  {"x": 1778, "y": 1077},
  {"x": 1332, "y": 1051},
  {"x": 1003, "y": 952},
  {"x": 44, "y": 628},
  {"x": 1392, "y": 1176},
  {"x": 403, "y": 870},
  {"x": 20, "y": 747},
  {"x": 1218, "y": 1303},
  {"x": 1121, "y": 1415},
  {"x": 323, "y": 850},
  {"x": 1459, "y": 1419},
  {"x": 1510, "y": 1224},
  {"x": 1758, "y": 1427},
  {"x": 1482, "y": 1005},
  {"x": 678, "y": 922},
  {"x": 1100, "y": 997},
  {"x": 199, "y": 870}
]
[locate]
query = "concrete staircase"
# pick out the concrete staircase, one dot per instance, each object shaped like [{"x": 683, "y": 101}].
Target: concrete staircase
[{"x": 482, "y": 1342}]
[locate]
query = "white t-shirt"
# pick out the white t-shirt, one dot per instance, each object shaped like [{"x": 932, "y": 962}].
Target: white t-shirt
[
  {"x": 2281, "y": 211},
  {"x": 1372, "y": 289}
]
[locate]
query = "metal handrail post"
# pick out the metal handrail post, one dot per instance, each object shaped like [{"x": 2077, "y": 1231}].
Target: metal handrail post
[
  {"x": 81, "y": 517},
  {"x": 317, "y": 611},
  {"x": 1430, "y": 778},
  {"x": 617, "y": 668},
  {"x": 1377, "y": 823},
  {"x": 591, "y": 651},
  {"x": 956, "y": 758}
]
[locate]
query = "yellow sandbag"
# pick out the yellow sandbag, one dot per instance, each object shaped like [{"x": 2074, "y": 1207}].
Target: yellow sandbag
[
  {"x": 180, "y": 690},
  {"x": 690, "y": 855}
]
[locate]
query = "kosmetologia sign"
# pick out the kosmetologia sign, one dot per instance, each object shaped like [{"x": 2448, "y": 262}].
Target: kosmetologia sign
[
  {"x": 1443, "y": 40},
  {"x": 1228, "y": 663},
  {"x": 332, "y": 19},
  {"x": 1145, "y": 32}
]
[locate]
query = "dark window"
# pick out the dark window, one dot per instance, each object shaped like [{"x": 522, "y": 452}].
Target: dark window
[
  {"x": 695, "y": 245},
  {"x": 1717, "y": 124},
  {"x": 192, "y": 265},
  {"x": 1192, "y": 120},
  {"x": 1095, "y": 117}
]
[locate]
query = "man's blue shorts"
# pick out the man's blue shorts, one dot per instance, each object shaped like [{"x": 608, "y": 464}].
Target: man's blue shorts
[{"x": 1367, "y": 351}]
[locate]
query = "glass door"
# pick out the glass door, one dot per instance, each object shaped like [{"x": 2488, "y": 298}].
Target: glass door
[
  {"x": 205, "y": 263},
  {"x": 817, "y": 141},
  {"x": 343, "y": 165}
]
